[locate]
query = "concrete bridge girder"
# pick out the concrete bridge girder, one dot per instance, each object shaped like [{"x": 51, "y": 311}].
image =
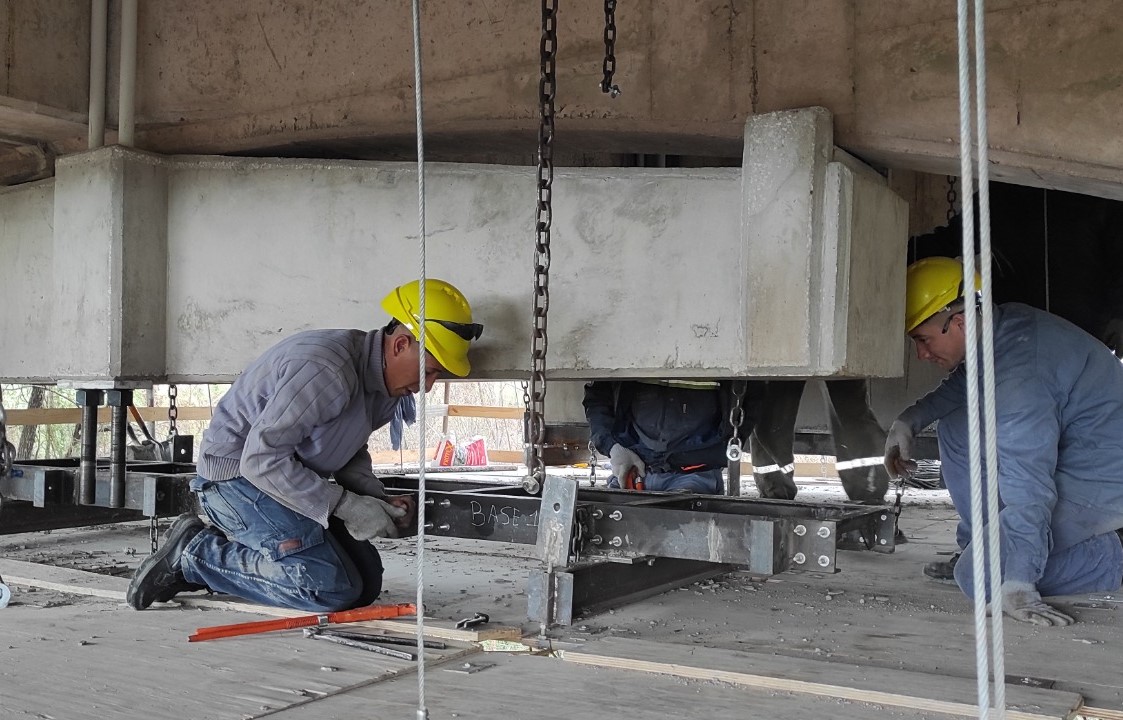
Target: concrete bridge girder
[{"x": 140, "y": 267}]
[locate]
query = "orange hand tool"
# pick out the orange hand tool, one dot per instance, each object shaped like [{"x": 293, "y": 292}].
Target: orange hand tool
[
  {"x": 374, "y": 612},
  {"x": 632, "y": 480}
]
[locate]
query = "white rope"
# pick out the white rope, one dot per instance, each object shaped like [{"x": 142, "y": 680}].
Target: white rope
[
  {"x": 422, "y": 712},
  {"x": 978, "y": 558},
  {"x": 990, "y": 425}
]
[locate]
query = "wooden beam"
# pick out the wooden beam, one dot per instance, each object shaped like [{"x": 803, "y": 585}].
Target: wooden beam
[
  {"x": 485, "y": 411},
  {"x": 71, "y": 416},
  {"x": 80, "y": 582},
  {"x": 929, "y": 693}
]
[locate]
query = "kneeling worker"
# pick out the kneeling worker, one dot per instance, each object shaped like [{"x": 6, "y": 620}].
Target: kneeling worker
[
  {"x": 282, "y": 533},
  {"x": 668, "y": 434},
  {"x": 1059, "y": 403}
]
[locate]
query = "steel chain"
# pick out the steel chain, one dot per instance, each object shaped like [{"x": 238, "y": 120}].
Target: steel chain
[
  {"x": 606, "y": 85},
  {"x": 952, "y": 197},
  {"x": 173, "y": 411},
  {"x": 736, "y": 418},
  {"x": 592, "y": 465},
  {"x": 543, "y": 220},
  {"x": 7, "y": 450},
  {"x": 154, "y": 534}
]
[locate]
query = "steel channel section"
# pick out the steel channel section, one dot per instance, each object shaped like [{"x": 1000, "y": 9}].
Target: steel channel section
[
  {"x": 758, "y": 543},
  {"x": 151, "y": 488},
  {"x": 593, "y": 587},
  {"x": 480, "y": 516},
  {"x": 21, "y": 517}
]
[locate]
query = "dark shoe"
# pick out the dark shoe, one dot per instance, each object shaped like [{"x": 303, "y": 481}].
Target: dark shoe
[
  {"x": 160, "y": 578},
  {"x": 942, "y": 570}
]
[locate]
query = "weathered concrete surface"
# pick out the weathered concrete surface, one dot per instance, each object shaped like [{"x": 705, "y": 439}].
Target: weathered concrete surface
[
  {"x": 188, "y": 268},
  {"x": 334, "y": 79},
  {"x": 26, "y": 276},
  {"x": 109, "y": 270}
]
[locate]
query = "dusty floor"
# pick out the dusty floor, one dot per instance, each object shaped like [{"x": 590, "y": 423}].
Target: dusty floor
[{"x": 68, "y": 656}]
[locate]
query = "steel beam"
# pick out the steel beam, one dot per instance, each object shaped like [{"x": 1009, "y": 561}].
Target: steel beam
[
  {"x": 152, "y": 488},
  {"x": 559, "y": 597},
  {"x": 21, "y": 517}
]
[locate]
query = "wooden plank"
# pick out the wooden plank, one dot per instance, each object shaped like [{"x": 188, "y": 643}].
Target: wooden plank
[
  {"x": 485, "y": 411},
  {"x": 72, "y": 416},
  {"x": 929, "y": 693},
  {"x": 80, "y": 582},
  {"x": 1095, "y": 713},
  {"x": 49, "y": 577}
]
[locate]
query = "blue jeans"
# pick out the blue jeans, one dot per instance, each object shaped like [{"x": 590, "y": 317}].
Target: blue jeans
[
  {"x": 262, "y": 551},
  {"x": 704, "y": 482},
  {"x": 1086, "y": 554}
]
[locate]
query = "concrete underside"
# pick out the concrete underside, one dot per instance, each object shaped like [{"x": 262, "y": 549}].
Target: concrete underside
[
  {"x": 68, "y": 654},
  {"x": 335, "y": 80}
]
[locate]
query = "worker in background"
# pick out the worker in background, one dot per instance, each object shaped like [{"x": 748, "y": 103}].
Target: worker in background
[
  {"x": 1059, "y": 403},
  {"x": 283, "y": 534},
  {"x": 666, "y": 434}
]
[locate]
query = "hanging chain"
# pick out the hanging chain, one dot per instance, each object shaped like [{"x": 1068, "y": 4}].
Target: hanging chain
[
  {"x": 606, "y": 85},
  {"x": 173, "y": 411},
  {"x": 7, "y": 450},
  {"x": 592, "y": 465},
  {"x": 543, "y": 219},
  {"x": 736, "y": 418},
  {"x": 952, "y": 198}
]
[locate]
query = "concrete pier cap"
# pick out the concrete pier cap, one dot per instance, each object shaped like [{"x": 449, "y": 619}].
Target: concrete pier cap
[{"x": 184, "y": 268}]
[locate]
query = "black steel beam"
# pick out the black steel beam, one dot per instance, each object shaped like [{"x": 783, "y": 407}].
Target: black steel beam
[
  {"x": 568, "y": 593},
  {"x": 21, "y": 517}
]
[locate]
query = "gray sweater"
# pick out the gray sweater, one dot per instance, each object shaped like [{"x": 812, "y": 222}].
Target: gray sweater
[{"x": 299, "y": 413}]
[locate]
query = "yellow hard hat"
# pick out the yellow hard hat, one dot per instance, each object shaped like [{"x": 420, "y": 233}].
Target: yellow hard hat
[
  {"x": 931, "y": 285},
  {"x": 449, "y": 329}
]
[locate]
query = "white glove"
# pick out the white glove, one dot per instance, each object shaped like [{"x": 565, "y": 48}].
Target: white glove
[
  {"x": 898, "y": 450},
  {"x": 622, "y": 459},
  {"x": 1021, "y": 601},
  {"x": 367, "y": 518}
]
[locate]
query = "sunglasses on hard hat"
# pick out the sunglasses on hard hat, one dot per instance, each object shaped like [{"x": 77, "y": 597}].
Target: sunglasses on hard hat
[{"x": 467, "y": 331}]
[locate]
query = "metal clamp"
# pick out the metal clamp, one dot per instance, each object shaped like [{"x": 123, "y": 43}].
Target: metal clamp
[{"x": 477, "y": 619}]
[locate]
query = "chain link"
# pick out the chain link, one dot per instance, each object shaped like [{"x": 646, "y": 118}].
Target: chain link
[
  {"x": 736, "y": 417},
  {"x": 536, "y": 426},
  {"x": 154, "y": 533},
  {"x": 952, "y": 196},
  {"x": 173, "y": 411},
  {"x": 7, "y": 450},
  {"x": 592, "y": 465},
  {"x": 606, "y": 85}
]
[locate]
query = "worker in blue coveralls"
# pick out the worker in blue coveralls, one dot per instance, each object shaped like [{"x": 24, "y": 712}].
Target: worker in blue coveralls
[
  {"x": 1059, "y": 404},
  {"x": 284, "y": 473},
  {"x": 666, "y": 435}
]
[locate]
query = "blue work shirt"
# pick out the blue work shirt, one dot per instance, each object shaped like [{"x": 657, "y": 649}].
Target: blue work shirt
[{"x": 1059, "y": 408}]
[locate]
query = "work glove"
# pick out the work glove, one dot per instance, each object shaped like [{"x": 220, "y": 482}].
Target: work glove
[
  {"x": 898, "y": 450},
  {"x": 1021, "y": 601},
  {"x": 367, "y": 518},
  {"x": 621, "y": 459}
]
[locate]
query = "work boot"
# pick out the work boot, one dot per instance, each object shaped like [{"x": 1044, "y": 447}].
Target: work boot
[
  {"x": 942, "y": 570},
  {"x": 160, "y": 577}
]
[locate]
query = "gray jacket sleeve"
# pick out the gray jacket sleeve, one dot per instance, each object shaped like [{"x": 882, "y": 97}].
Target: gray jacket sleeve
[
  {"x": 307, "y": 394},
  {"x": 358, "y": 476}
]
